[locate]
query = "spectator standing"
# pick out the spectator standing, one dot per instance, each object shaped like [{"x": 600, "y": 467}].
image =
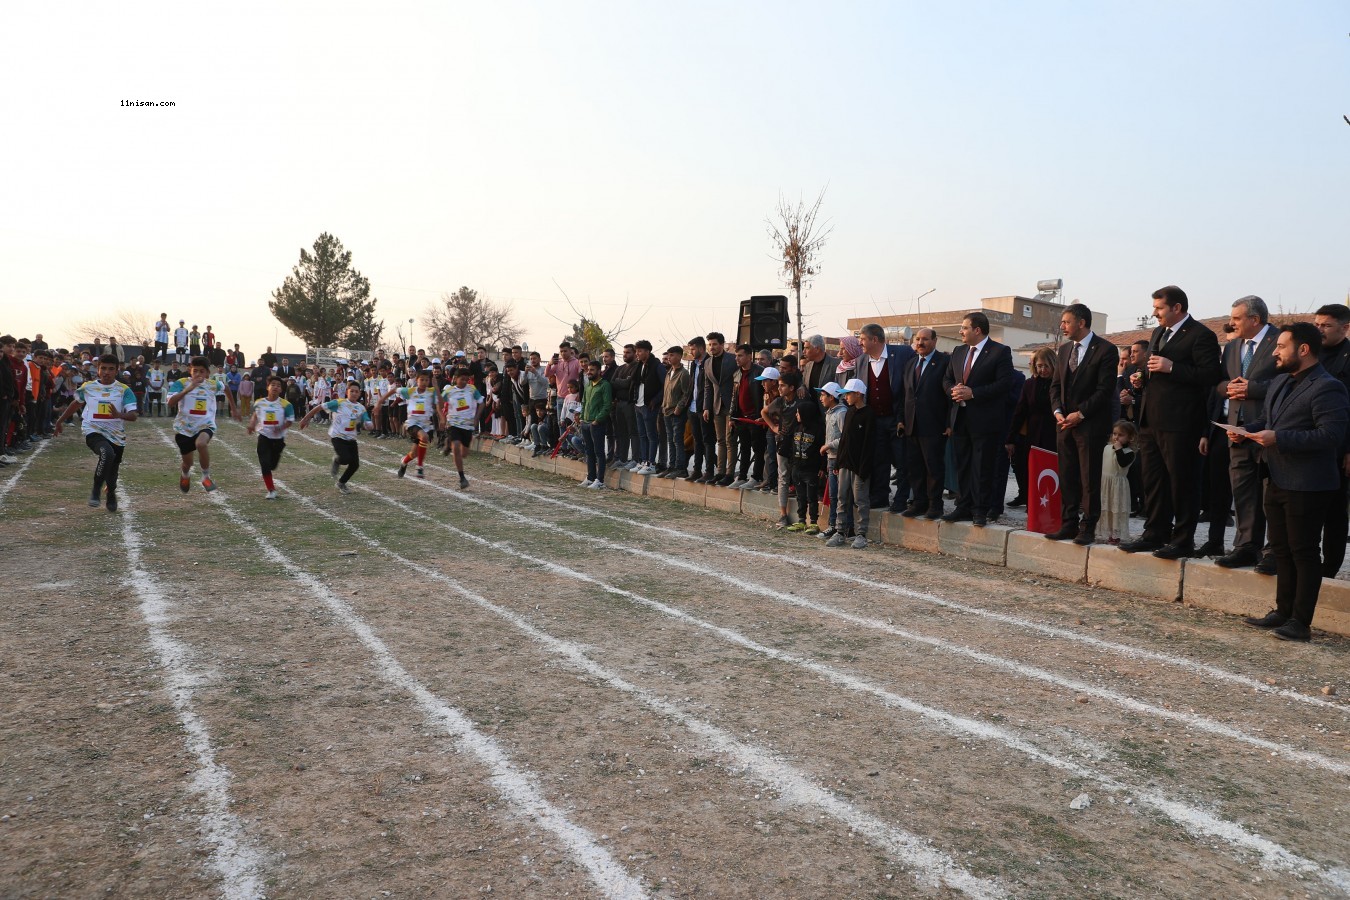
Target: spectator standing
[
  {"x": 1081, "y": 394},
  {"x": 180, "y": 343},
  {"x": 647, "y": 385},
  {"x": 818, "y": 367},
  {"x": 154, "y": 389},
  {"x": 719, "y": 373},
  {"x": 834, "y": 429},
  {"x": 854, "y": 464},
  {"x": 1248, "y": 361},
  {"x": 245, "y": 394},
  {"x": 1183, "y": 367},
  {"x": 597, "y": 403},
  {"x": 679, "y": 387},
  {"x": 1117, "y": 457},
  {"x": 1033, "y": 421},
  {"x": 1302, "y": 434},
  {"x": 624, "y": 416},
  {"x": 882, "y": 369},
  {"x": 1333, "y": 320},
  {"x": 747, "y": 399},
  {"x": 704, "y": 438},
  {"x": 162, "y": 336},
  {"x": 924, "y": 425},
  {"x": 978, "y": 379},
  {"x": 194, "y": 342}
]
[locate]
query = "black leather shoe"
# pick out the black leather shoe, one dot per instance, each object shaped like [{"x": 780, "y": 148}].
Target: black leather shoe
[
  {"x": 1272, "y": 619},
  {"x": 1175, "y": 551},
  {"x": 913, "y": 512},
  {"x": 979, "y": 521},
  {"x": 1266, "y": 566},
  {"x": 935, "y": 513},
  {"x": 1142, "y": 545},
  {"x": 1017, "y": 502},
  {"x": 1210, "y": 548},
  {"x": 1240, "y": 558},
  {"x": 1064, "y": 534},
  {"x": 957, "y": 515},
  {"x": 1085, "y": 538},
  {"x": 1293, "y": 630}
]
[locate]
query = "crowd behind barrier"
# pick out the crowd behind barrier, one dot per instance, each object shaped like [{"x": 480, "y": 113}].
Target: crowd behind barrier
[{"x": 1176, "y": 429}]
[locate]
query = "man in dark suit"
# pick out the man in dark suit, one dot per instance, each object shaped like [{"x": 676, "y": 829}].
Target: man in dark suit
[
  {"x": 1333, "y": 320},
  {"x": 1137, "y": 361},
  {"x": 1248, "y": 366},
  {"x": 882, "y": 367},
  {"x": 1081, "y": 391},
  {"x": 924, "y": 426},
  {"x": 978, "y": 379},
  {"x": 1183, "y": 366},
  {"x": 1301, "y": 432}
]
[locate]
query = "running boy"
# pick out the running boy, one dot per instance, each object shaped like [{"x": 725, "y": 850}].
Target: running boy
[
  {"x": 462, "y": 400},
  {"x": 106, "y": 405},
  {"x": 272, "y": 415},
  {"x": 421, "y": 423},
  {"x": 349, "y": 418},
  {"x": 193, "y": 401}
]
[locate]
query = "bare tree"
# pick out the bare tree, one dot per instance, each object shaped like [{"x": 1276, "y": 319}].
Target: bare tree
[
  {"x": 463, "y": 320},
  {"x": 131, "y": 328},
  {"x": 589, "y": 329},
  {"x": 798, "y": 235}
]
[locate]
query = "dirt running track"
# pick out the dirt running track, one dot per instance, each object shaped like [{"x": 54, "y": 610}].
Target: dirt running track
[{"x": 529, "y": 690}]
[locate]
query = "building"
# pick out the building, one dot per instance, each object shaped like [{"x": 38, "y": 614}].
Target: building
[{"x": 1014, "y": 320}]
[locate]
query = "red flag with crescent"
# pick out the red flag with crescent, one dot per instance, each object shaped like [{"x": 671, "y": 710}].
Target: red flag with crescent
[{"x": 1043, "y": 500}]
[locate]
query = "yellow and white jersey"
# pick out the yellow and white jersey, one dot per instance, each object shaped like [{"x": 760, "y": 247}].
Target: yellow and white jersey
[
  {"x": 421, "y": 407},
  {"x": 273, "y": 416},
  {"x": 103, "y": 404},
  {"x": 348, "y": 418},
  {"x": 197, "y": 408}
]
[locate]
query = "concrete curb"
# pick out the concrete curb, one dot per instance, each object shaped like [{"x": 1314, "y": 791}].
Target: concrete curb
[{"x": 1195, "y": 582}]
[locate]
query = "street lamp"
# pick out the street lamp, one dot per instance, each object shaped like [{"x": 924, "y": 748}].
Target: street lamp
[{"x": 410, "y": 334}]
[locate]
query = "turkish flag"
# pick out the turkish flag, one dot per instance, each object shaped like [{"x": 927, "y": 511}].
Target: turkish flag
[{"x": 1043, "y": 500}]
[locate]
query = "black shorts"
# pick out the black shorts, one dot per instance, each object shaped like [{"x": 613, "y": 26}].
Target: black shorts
[
  {"x": 187, "y": 444},
  {"x": 414, "y": 430},
  {"x": 463, "y": 435},
  {"x": 269, "y": 452}
]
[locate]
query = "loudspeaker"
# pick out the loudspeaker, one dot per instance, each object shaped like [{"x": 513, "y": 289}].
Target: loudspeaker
[{"x": 763, "y": 323}]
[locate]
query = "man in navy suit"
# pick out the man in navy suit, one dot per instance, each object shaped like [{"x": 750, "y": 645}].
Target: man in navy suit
[
  {"x": 925, "y": 426},
  {"x": 978, "y": 380},
  {"x": 1081, "y": 391},
  {"x": 1333, "y": 320},
  {"x": 882, "y": 368},
  {"x": 1301, "y": 433}
]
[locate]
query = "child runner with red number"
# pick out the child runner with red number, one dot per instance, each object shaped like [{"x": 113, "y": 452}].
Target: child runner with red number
[
  {"x": 461, "y": 413},
  {"x": 272, "y": 415},
  {"x": 421, "y": 421},
  {"x": 106, "y": 405},
  {"x": 349, "y": 418}
]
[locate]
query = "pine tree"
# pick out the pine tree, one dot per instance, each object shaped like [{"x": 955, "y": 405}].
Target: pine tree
[{"x": 324, "y": 300}]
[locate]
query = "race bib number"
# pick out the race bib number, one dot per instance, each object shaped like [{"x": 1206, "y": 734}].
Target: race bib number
[
  {"x": 419, "y": 407},
  {"x": 104, "y": 411},
  {"x": 271, "y": 418},
  {"x": 199, "y": 407},
  {"x": 461, "y": 404}
]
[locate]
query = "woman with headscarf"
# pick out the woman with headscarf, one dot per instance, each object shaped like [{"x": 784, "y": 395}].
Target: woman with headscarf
[{"x": 850, "y": 350}]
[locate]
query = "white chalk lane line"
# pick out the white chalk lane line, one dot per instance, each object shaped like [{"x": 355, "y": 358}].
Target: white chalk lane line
[
  {"x": 916, "y": 854},
  {"x": 518, "y": 788},
  {"x": 12, "y": 480},
  {"x": 1130, "y": 651},
  {"x": 772, "y": 594},
  {"x": 1194, "y": 820},
  {"x": 233, "y": 855}
]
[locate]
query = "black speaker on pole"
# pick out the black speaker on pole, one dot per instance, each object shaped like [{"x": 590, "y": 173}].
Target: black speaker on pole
[{"x": 763, "y": 323}]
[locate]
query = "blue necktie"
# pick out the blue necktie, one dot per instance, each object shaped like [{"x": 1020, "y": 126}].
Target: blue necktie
[{"x": 1247, "y": 355}]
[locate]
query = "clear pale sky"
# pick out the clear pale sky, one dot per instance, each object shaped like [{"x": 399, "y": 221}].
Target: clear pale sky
[{"x": 633, "y": 150}]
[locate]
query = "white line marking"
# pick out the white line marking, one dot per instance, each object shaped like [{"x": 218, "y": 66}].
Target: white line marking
[
  {"x": 518, "y": 788},
  {"x": 779, "y": 595},
  {"x": 930, "y": 866},
  {"x": 1194, "y": 820},
  {"x": 238, "y": 862},
  {"x": 14, "y": 479},
  {"x": 1204, "y": 669}
]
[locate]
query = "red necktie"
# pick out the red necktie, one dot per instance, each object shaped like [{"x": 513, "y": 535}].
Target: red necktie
[{"x": 970, "y": 359}]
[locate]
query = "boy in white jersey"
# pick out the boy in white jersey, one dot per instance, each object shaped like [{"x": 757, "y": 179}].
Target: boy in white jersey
[
  {"x": 462, "y": 400},
  {"x": 349, "y": 418},
  {"x": 421, "y": 423},
  {"x": 272, "y": 415},
  {"x": 180, "y": 343},
  {"x": 105, "y": 404},
  {"x": 193, "y": 401},
  {"x": 154, "y": 389}
]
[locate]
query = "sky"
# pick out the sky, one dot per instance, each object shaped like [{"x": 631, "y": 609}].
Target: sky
[{"x": 628, "y": 154}]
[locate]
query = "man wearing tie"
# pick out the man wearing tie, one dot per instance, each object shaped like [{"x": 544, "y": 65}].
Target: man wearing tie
[
  {"x": 1081, "y": 391},
  {"x": 978, "y": 378},
  {"x": 1301, "y": 432},
  {"x": 881, "y": 368},
  {"x": 1248, "y": 367},
  {"x": 924, "y": 426},
  {"x": 1183, "y": 367}
]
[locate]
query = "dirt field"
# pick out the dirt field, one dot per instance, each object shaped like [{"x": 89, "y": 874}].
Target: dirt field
[{"x": 530, "y": 690}]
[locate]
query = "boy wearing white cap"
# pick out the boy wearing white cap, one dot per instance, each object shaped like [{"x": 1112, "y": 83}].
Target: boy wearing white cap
[
  {"x": 834, "y": 430},
  {"x": 853, "y": 465}
]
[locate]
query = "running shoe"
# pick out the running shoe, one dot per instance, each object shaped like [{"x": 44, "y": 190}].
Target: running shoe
[
  {"x": 597, "y": 485},
  {"x": 402, "y": 470},
  {"x": 94, "y": 501},
  {"x": 342, "y": 488},
  {"x": 463, "y": 482},
  {"x": 585, "y": 482},
  {"x": 208, "y": 485},
  {"x": 860, "y": 543},
  {"x": 421, "y": 473},
  {"x": 112, "y": 501},
  {"x": 184, "y": 483},
  {"x": 271, "y": 495}
]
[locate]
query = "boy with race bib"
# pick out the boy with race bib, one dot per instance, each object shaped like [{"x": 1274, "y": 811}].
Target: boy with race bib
[
  {"x": 462, "y": 400},
  {"x": 272, "y": 415},
  {"x": 349, "y": 419},
  {"x": 421, "y": 422},
  {"x": 194, "y": 423},
  {"x": 105, "y": 405}
]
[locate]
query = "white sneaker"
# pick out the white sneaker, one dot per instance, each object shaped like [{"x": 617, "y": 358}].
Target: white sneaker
[
  {"x": 751, "y": 485},
  {"x": 9, "y": 460},
  {"x": 271, "y": 495},
  {"x": 585, "y": 482},
  {"x": 597, "y": 485},
  {"x": 737, "y": 484}
]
